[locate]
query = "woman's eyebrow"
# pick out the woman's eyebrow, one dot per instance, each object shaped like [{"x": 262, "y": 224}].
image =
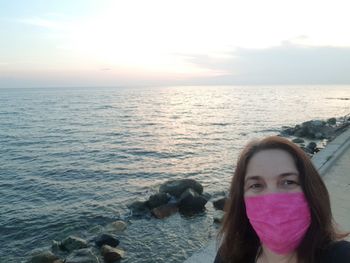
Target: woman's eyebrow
[
  {"x": 253, "y": 177},
  {"x": 288, "y": 174}
]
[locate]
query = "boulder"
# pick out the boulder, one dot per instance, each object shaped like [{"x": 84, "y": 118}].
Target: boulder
[
  {"x": 332, "y": 121},
  {"x": 298, "y": 140},
  {"x": 44, "y": 257},
  {"x": 312, "y": 146},
  {"x": 164, "y": 211},
  {"x": 191, "y": 201},
  {"x": 309, "y": 129},
  {"x": 307, "y": 150},
  {"x": 139, "y": 208},
  {"x": 319, "y": 136},
  {"x": 218, "y": 216},
  {"x": 177, "y": 187},
  {"x": 84, "y": 255},
  {"x": 313, "y": 123},
  {"x": 287, "y": 131},
  {"x": 206, "y": 196},
  {"x": 158, "y": 200},
  {"x": 220, "y": 202},
  {"x": 106, "y": 239},
  {"x": 72, "y": 243},
  {"x": 111, "y": 254},
  {"x": 56, "y": 246}
]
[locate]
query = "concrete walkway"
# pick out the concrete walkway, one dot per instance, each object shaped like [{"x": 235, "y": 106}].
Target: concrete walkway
[
  {"x": 337, "y": 179},
  {"x": 333, "y": 163}
]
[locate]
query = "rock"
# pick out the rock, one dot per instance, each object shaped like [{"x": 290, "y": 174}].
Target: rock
[
  {"x": 332, "y": 121},
  {"x": 191, "y": 201},
  {"x": 287, "y": 131},
  {"x": 111, "y": 254},
  {"x": 106, "y": 239},
  {"x": 44, "y": 257},
  {"x": 298, "y": 140},
  {"x": 56, "y": 246},
  {"x": 307, "y": 150},
  {"x": 158, "y": 200},
  {"x": 118, "y": 225},
  {"x": 218, "y": 216},
  {"x": 165, "y": 211},
  {"x": 207, "y": 196},
  {"x": 84, "y": 255},
  {"x": 219, "y": 203},
  {"x": 177, "y": 187},
  {"x": 307, "y": 129},
  {"x": 314, "y": 123},
  {"x": 72, "y": 243},
  {"x": 139, "y": 208},
  {"x": 319, "y": 135},
  {"x": 312, "y": 146}
]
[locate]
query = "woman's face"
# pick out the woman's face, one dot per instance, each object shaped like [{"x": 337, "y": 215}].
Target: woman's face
[{"x": 271, "y": 171}]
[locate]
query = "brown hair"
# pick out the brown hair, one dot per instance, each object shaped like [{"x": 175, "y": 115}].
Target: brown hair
[{"x": 239, "y": 240}]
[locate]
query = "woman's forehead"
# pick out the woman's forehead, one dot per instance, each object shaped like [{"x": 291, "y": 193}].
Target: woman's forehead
[{"x": 271, "y": 162}]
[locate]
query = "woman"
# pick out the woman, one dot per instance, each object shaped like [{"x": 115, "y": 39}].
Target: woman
[{"x": 279, "y": 209}]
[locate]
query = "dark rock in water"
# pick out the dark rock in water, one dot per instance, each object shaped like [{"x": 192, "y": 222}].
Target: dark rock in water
[
  {"x": 158, "y": 200},
  {"x": 139, "y": 208},
  {"x": 307, "y": 150},
  {"x": 311, "y": 146},
  {"x": 110, "y": 254},
  {"x": 82, "y": 256},
  {"x": 44, "y": 257},
  {"x": 288, "y": 131},
  {"x": 298, "y": 140},
  {"x": 56, "y": 246},
  {"x": 191, "y": 201},
  {"x": 218, "y": 217},
  {"x": 315, "y": 129},
  {"x": 72, "y": 243},
  {"x": 313, "y": 124},
  {"x": 219, "y": 203},
  {"x": 206, "y": 196},
  {"x": 332, "y": 121},
  {"x": 106, "y": 239},
  {"x": 177, "y": 187},
  {"x": 165, "y": 210}
]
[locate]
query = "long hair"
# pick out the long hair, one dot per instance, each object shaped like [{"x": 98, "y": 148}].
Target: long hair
[{"x": 239, "y": 242}]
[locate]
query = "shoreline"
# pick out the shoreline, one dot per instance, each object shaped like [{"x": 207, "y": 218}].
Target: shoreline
[{"x": 323, "y": 161}]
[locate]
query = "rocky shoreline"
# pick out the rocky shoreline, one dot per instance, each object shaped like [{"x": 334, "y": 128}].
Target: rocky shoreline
[
  {"x": 185, "y": 196},
  {"x": 316, "y": 133}
]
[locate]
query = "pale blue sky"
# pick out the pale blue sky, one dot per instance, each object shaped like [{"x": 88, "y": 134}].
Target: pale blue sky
[{"x": 162, "y": 42}]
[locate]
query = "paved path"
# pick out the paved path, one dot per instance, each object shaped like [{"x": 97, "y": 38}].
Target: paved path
[
  {"x": 333, "y": 163},
  {"x": 337, "y": 179}
]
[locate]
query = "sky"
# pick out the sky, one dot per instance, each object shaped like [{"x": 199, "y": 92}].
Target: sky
[{"x": 183, "y": 42}]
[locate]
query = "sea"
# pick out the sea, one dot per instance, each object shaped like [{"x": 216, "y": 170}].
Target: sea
[{"x": 72, "y": 159}]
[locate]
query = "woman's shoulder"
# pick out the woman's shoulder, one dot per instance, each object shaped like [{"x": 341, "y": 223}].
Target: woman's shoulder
[{"x": 338, "y": 252}]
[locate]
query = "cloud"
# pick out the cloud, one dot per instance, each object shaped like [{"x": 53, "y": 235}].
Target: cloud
[
  {"x": 43, "y": 22},
  {"x": 285, "y": 64}
]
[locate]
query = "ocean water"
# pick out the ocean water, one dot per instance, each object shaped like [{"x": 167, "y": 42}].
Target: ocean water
[{"x": 72, "y": 159}]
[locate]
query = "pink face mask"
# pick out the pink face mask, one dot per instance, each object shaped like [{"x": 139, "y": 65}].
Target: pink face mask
[{"x": 279, "y": 219}]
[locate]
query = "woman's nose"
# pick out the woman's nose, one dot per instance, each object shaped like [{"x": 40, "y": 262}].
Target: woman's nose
[{"x": 272, "y": 188}]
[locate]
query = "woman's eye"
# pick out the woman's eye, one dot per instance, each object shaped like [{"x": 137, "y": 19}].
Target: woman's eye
[
  {"x": 289, "y": 182},
  {"x": 255, "y": 186}
]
